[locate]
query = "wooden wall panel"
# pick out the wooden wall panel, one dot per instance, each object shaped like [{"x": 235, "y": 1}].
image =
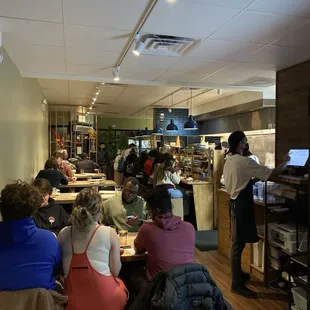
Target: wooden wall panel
[{"x": 292, "y": 114}]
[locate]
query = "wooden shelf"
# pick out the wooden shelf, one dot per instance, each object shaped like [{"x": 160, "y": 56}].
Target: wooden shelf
[{"x": 259, "y": 269}]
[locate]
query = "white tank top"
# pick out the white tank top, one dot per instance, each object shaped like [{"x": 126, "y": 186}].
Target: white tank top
[{"x": 98, "y": 251}]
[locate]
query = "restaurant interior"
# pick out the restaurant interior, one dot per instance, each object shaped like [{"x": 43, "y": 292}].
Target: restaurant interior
[{"x": 103, "y": 81}]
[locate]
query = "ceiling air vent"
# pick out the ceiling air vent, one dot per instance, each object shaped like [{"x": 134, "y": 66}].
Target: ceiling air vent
[
  {"x": 162, "y": 45},
  {"x": 257, "y": 82}
]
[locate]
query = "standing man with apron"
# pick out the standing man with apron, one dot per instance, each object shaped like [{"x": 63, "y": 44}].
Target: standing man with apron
[{"x": 238, "y": 173}]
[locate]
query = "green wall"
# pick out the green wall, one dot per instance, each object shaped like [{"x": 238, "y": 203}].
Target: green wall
[
  {"x": 124, "y": 123},
  {"x": 23, "y": 125}
]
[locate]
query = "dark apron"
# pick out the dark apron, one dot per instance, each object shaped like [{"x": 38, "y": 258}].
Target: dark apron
[{"x": 243, "y": 207}]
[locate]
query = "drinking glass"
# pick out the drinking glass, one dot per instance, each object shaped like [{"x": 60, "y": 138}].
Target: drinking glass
[
  {"x": 74, "y": 179},
  {"x": 104, "y": 178},
  {"x": 123, "y": 235},
  {"x": 89, "y": 178},
  {"x": 82, "y": 171}
]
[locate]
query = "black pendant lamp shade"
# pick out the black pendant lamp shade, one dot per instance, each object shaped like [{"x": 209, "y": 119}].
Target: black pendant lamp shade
[
  {"x": 191, "y": 124},
  {"x": 157, "y": 130},
  {"x": 172, "y": 126}
]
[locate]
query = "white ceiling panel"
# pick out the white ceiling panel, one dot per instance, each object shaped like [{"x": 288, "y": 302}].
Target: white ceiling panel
[
  {"x": 80, "y": 89},
  {"x": 95, "y": 38},
  {"x": 24, "y": 53},
  {"x": 181, "y": 77},
  {"x": 187, "y": 19},
  {"x": 141, "y": 74},
  {"x": 42, "y": 67},
  {"x": 33, "y": 9},
  {"x": 91, "y": 57},
  {"x": 237, "y": 72},
  {"x": 285, "y": 7},
  {"x": 32, "y": 32},
  {"x": 149, "y": 62},
  {"x": 85, "y": 70},
  {"x": 278, "y": 56},
  {"x": 259, "y": 28},
  {"x": 104, "y": 13},
  {"x": 295, "y": 37},
  {"x": 199, "y": 65},
  {"x": 224, "y": 50},
  {"x": 132, "y": 94},
  {"x": 47, "y": 84},
  {"x": 235, "y": 4}
]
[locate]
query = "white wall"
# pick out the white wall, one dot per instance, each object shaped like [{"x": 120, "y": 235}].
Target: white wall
[
  {"x": 227, "y": 102},
  {"x": 23, "y": 126}
]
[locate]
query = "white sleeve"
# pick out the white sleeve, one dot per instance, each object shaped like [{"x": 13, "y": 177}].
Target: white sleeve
[
  {"x": 175, "y": 178},
  {"x": 253, "y": 169}
]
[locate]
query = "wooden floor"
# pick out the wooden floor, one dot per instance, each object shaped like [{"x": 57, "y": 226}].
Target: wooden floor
[{"x": 219, "y": 268}]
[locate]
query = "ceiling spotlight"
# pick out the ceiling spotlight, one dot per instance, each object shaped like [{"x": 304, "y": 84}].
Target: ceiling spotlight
[
  {"x": 139, "y": 46},
  {"x": 90, "y": 107},
  {"x": 94, "y": 99},
  {"x": 44, "y": 101},
  {"x": 169, "y": 110},
  {"x": 87, "y": 113},
  {"x": 116, "y": 74},
  {"x": 97, "y": 92},
  {"x": 93, "y": 102},
  {"x": 219, "y": 91},
  {"x": 102, "y": 83}
]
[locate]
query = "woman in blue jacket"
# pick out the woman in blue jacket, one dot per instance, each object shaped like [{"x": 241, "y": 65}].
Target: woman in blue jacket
[{"x": 30, "y": 257}]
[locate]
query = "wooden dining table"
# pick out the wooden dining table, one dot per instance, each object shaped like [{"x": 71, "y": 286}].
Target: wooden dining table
[
  {"x": 81, "y": 176},
  {"x": 129, "y": 254},
  {"x": 69, "y": 198},
  {"x": 92, "y": 183}
]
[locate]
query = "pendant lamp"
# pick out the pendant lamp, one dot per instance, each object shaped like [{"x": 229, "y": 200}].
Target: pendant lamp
[
  {"x": 172, "y": 126},
  {"x": 191, "y": 124},
  {"x": 157, "y": 130}
]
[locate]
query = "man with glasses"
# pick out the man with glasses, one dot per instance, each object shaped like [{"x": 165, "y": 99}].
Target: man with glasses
[{"x": 126, "y": 211}]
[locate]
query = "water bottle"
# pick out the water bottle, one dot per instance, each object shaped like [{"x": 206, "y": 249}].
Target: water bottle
[{"x": 203, "y": 176}]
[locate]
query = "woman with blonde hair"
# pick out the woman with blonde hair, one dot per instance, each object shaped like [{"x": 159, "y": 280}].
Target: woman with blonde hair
[{"x": 91, "y": 258}]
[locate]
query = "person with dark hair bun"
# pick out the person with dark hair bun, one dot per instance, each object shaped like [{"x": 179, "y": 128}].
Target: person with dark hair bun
[
  {"x": 52, "y": 174},
  {"x": 91, "y": 258},
  {"x": 168, "y": 240},
  {"x": 30, "y": 257},
  {"x": 238, "y": 173}
]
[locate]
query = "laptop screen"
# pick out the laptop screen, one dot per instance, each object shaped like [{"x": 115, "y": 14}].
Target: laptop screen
[{"x": 299, "y": 157}]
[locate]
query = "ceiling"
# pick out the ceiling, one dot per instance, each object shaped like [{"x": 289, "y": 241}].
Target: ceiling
[
  {"x": 126, "y": 100},
  {"x": 242, "y": 44}
]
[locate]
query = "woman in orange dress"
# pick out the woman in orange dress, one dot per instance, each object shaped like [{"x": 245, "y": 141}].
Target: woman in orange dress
[{"x": 91, "y": 258}]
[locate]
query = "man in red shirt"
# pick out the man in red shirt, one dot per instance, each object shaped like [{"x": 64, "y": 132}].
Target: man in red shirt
[
  {"x": 148, "y": 166},
  {"x": 168, "y": 240},
  {"x": 62, "y": 166}
]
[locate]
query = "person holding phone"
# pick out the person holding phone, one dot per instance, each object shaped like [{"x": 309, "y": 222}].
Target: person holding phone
[{"x": 238, "y": 173}]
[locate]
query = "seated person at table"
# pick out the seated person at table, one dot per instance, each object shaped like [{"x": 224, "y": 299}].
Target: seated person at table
[
  {"x": 50, "y": 215},
  {"x": 62, "y": 166},
  {"x": 167, "y": 177},
  {"x": 117, "y": 209},
  {"x": 168, "y": 240},
  {"x": 91, "y": 258},
  {"x": 86, "y": 164},
  {"x": 52, "y": 174},
  {"x": 30, "y": 257}
]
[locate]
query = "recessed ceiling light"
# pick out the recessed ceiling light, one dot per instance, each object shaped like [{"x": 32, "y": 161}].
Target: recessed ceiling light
[
  {"x": 44, "y": 101},
  {"x": 172, "y": 1}
]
